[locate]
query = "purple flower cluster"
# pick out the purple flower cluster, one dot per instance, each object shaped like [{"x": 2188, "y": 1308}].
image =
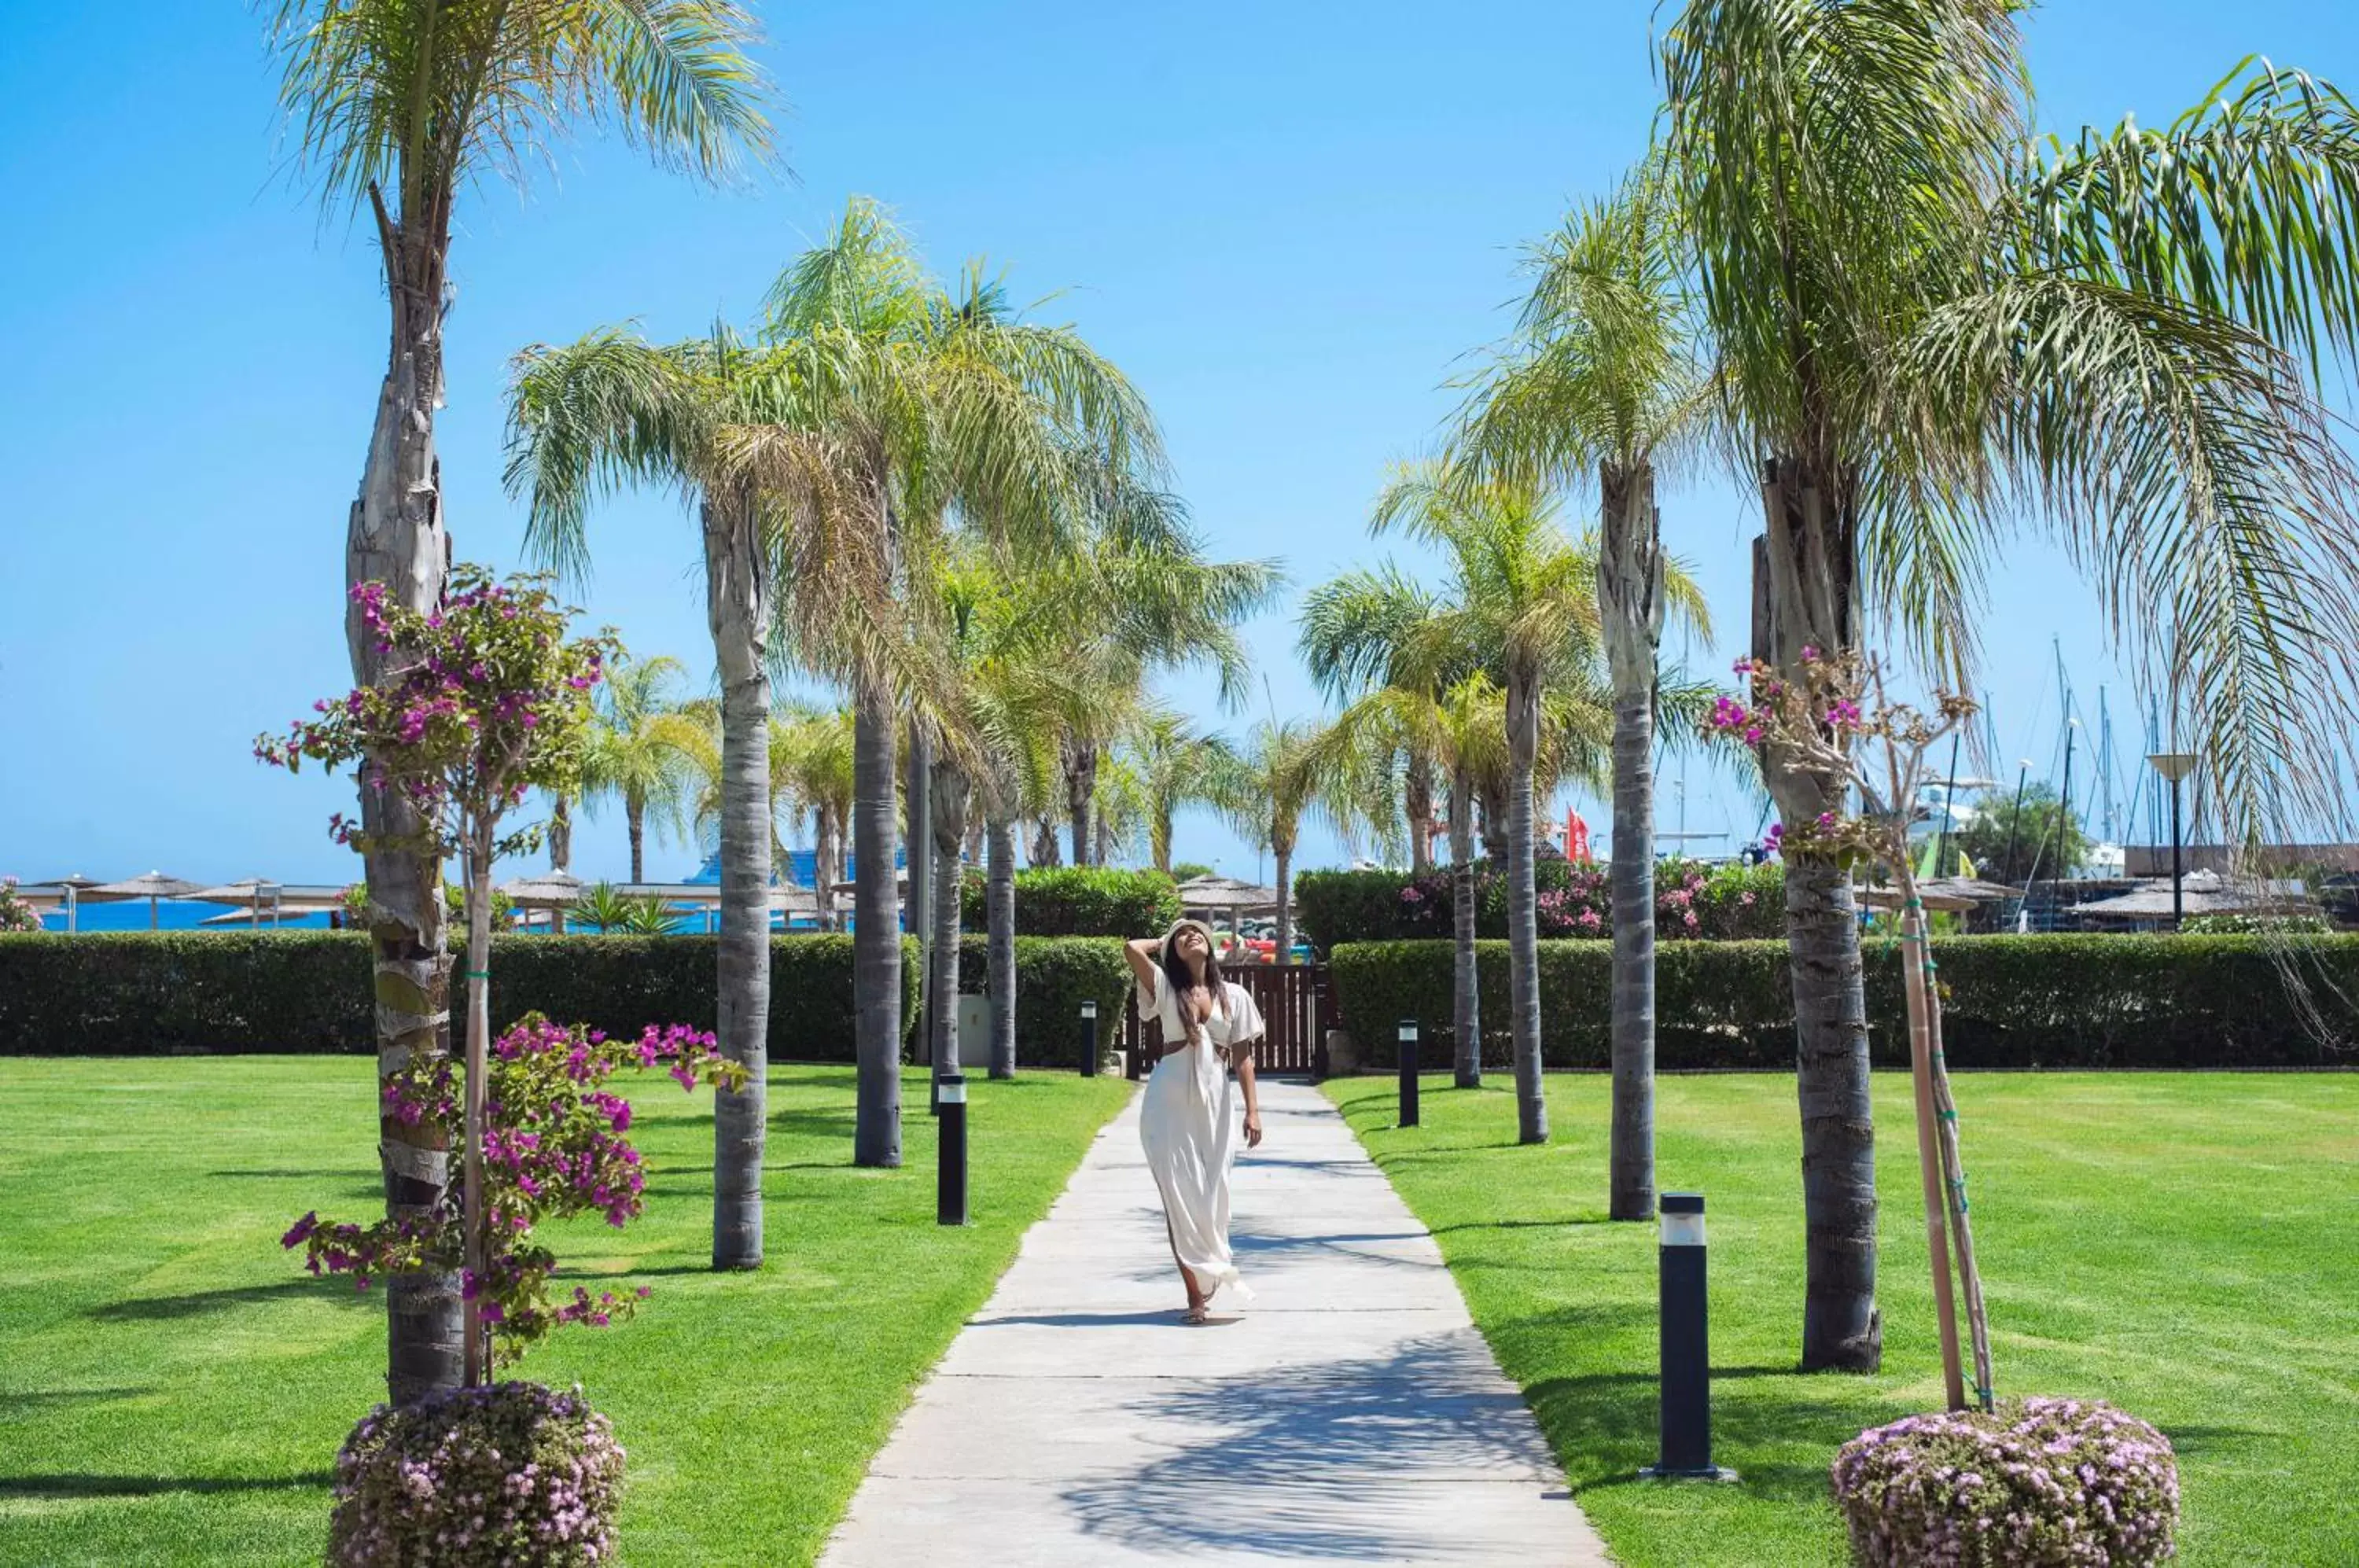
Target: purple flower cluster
[
  {"x": 1576, "y": 901},
  {"x": 555, "y": 1146},
  {"x": 509, "y": 1473},
  {"x": 2041, "y": 1484}
]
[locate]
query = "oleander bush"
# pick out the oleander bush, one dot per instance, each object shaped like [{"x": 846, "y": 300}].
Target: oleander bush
[
  {"x": 484, "y": 1478},
  {"x": 1081, "y": 900},
  {"x": 2040, "y": 1484},
  {"x": 1722, "y": 903},
  {"x": 150, "y": 993},
  {"x": 2053, "y": 1001}
]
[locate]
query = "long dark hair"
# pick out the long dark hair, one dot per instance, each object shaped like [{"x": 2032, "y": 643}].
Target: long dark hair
[{"x": 1175, "y": 968}]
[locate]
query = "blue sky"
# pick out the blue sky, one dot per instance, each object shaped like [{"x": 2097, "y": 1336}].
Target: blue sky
[{"x": 1286, "y": 223}]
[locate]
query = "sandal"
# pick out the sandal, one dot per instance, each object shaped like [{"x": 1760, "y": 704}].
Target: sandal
[{"x": 1197, "y": 1315}]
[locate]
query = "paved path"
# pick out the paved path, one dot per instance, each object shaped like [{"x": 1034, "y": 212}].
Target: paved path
[{"x": 1349, "y": 1414}]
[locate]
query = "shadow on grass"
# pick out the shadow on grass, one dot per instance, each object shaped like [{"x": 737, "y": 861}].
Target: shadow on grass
[
  {"x": 159, "y": 1309},
  {"x": 370, "y": 1177},
  {"x": 80, "y": 1484},
  {"x": 30, "y": 1400},
  {"x": 1588, "y": 1218}
]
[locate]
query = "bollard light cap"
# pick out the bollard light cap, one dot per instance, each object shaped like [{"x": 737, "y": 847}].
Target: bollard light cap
[
  {"x": 952, "y": 1089},
  {"x": 1407, "y": 1028},
  {"x": 1089, "y": 1009},
  {"x": 1682, "y": 1203}
]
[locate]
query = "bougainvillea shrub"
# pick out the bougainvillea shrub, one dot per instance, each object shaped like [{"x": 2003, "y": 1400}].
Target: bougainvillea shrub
[
  {"x": 2041, "y": 1484},
  {"x": 556, "y": 1146},
  {"x": 506, "y": 1474},
  {"x": 16, "y": 912}
]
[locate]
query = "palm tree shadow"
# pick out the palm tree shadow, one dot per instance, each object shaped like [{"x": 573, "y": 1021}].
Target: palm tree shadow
[
  {"x": 1277, "y": 1466},
  {"x": 81, "y": 1485},
  {"x": 159, "y": 1309}
]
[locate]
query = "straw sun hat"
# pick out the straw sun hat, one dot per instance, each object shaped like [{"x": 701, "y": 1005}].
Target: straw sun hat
[{"x": 1211, "y": 942}]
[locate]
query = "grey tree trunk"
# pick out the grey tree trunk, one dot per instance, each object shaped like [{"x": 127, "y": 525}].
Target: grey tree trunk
[
  {"x": 1283, "y": 857},
  {"x": 1493, "y": 819},
  {"x": 917, "y": 832},
  {"x": 826, "y": 863},
  {"x": 634, "y": 818},
  {"x": 1416, "y": 796},
  {"x": 1466, "y": 1000},
  {"x": 876, "y": 934},
  {"x": 737, "y": 604},
  {"x": 1044, "y": 850},
  {"x": 949, "y": 794},
  {"x": 1104, "y": 853},
  {"x": 1804, "y": 595},
  {"x": 560, "y": 835},
  {"x": 1523, "y": 909},
  {"x": 393, "y": 535},
  {"x": 918, "y": 839},
  {"x": 1080, "y": 788},
  {"x": 1630, "y": 614},
  {"x": 999, "y": 909}
]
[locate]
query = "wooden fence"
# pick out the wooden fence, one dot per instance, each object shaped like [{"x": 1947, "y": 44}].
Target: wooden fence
[{"x": 1297, "y": 1005}]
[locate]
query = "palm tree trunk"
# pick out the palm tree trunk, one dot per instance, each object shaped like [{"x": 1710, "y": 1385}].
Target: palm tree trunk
[
  {"x": 918, "y": 856},
  {"x": 1466, "y": 1002},
  {"x": 635, "y": 817},
  {"x": 1630, "y": 614},
  {"x": 949, "y": 794},
  {"x": 1804, "y": 595},
  {"x": 999, "y": 905},
  {"x": 829, "y": 869},
  {"x": 1105, "y": 852},
  {"x": 1044, "y": 850},
  {"x": 1284, "y": 858},
  {"x": 1522, "y": 909},
  {"x": 1080, "y": 786},
  {"x": 739, "y": 605},
  {"x": 1492, "y": 799},
  {"x": 1418, "y": 798},
  {"x": 393, "y": 535},
  {"x": 876, "y": 934},
  {"x": 1158, "y": 837}
]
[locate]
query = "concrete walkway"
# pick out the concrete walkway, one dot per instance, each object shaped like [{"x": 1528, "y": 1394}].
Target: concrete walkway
[{"x": 1349, "y": 1414}]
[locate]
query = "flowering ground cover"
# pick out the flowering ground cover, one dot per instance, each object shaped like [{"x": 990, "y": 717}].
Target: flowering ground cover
[
  {"x": 2179, "y": 1245},
  {"x": 173, "y": 1386}
]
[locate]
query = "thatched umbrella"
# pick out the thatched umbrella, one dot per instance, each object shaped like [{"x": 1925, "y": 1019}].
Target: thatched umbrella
[
  {"x": 556, "y": 891},
  {"x": 259, "y": 894},
  {"x": 60, "y": 892},
  {"x": 155, "y": 886}
]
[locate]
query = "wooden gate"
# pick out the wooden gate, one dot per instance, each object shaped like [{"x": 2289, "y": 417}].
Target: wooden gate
[{"x": 1297, "y": 1005}]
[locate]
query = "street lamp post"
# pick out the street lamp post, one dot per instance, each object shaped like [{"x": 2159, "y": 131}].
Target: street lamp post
[{"x": 2175, "y": 766}]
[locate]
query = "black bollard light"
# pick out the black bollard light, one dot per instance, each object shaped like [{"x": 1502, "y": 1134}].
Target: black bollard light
[
  {"x": 1686, "y": 1364},
  {"x": 950, "y": 1183},
  {"x": 1090, "y": 1039},
  {"x": 1408, "y": 1033}
]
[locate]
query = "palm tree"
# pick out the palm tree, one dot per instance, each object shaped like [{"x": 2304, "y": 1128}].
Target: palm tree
[
  {"x": 729, "y": 427},
  {"x": 1524, "y": 597},
  {"x": 403, "y": 103},
  {"x": 933, "y": 402},
  {"x": 1603, "y": 384},
  {"x": 1285, "y": 770},
  {"x": 1361, "y": 634},
  {"x": 1175, "y": 766},
  {"x": 813, "y": 764},
  {"x": 640, "y": 749},
  {"x": 1933, "y": 330}
]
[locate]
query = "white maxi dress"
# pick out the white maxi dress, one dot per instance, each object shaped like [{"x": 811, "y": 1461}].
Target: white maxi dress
[{"x": 1190, "y": 1125}]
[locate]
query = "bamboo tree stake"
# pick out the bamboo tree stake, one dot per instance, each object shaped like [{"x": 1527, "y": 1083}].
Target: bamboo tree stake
[
  {"x": 1930, "y": 1163},
  {"x": 1955, "y": 1174}
]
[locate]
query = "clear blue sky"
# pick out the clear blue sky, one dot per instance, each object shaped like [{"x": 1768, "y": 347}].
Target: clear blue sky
[{"x": 1284, "y": 221}]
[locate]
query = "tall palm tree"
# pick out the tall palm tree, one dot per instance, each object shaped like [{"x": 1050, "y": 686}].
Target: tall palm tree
[
  {"x": 402, "y": 104},
  {"x": 1525, "y": 596},
  {"x": 1601, "y": 385},
  {"x": 935, "y": 402},
  {"x": 1285, "y": 770},
  {"x": 1361, "y": 632},
  {"x": 1935, "y": 331},
  {"x": 729, "y": 427},
  {"x": 640, "y": 749}
]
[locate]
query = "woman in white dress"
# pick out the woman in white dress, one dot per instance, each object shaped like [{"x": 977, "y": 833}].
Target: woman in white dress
[{"x": 1188, "y": 1121}]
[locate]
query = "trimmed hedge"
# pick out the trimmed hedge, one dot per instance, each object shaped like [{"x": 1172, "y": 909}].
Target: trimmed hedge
[
  {"x": 1716, "y": 903},
  {"x": 2062, "y": 1001},
  {"x": 148, "y": 993},
  {"x": 1081, "y": 900},
  {"x": 1053, "y": 977}
]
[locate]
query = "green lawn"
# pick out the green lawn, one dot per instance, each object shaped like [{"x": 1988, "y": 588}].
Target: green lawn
[
  {"x": 2185, "y": 1246},
  {"x": 173, "y": 1389}
]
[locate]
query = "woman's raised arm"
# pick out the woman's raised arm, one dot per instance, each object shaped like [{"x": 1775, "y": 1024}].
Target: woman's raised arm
[{"x": 1145, "y": 954}]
